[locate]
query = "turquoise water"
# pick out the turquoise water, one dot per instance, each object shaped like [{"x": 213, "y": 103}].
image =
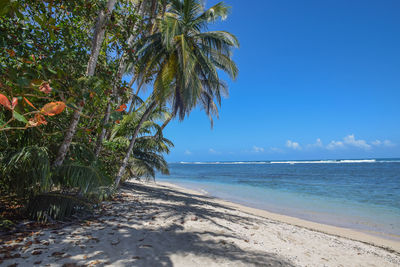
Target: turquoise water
[{"x": 358, "y": 194}]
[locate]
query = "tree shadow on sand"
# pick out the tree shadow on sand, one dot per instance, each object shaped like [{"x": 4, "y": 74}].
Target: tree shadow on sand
[{"x": 147, "y": 230}]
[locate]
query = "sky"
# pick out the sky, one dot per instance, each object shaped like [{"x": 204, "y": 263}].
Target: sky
[{"x": 317, "y": 80}]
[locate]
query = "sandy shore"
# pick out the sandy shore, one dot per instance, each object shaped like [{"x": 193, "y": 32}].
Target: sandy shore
[{"x": 164, "y": 225}]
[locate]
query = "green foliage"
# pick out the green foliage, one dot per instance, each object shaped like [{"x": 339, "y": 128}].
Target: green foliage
[
  {"x": 46, "y": 45},
  {"x": 25, "y": 171},
  {"x": 48, "y": 206},
  {"x": 5, "y": 224},
  {"x": 185, "y": 58}
]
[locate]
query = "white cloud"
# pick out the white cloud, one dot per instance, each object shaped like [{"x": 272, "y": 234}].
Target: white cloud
[
  {"x": 376, "y": 142},
  {"x": 352, "y": 141},
  {"x": 335, "y": 144},
  {"x": 257, "y": 149},
  {"x": 213, "y": 151},
  {"x": 188, "y": 152},
  {"x": 293, "y": 145},
  {"x": 317, "y": 144},
  {"x": 386, "y": 143},
  {"x": 347, "y": 142}
]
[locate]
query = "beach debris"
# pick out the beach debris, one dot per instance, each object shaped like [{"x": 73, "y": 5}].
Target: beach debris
[
  {"x": 116, "y": 242},
  {"x": 58, "y": 254},
  {"x": 37, "y": 262},
  {"x": 145, "y": 246},
  {"x": 96, "y": 262},
  {"x": 37, "y": 252}
]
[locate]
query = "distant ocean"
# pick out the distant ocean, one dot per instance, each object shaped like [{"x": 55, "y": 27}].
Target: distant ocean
[{"x": 358, "y": 194}]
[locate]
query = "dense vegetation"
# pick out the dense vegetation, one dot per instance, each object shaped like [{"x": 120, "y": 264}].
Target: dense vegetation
[{"x": 73, "y": 123}]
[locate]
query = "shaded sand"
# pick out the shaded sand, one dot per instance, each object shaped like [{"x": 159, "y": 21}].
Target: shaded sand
[{"x": 164, "y": 225}]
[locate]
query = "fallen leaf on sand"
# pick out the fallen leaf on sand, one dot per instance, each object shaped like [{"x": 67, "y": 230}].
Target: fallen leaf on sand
[
  {"x": 114, "y": 243},
  {"x": 57, "y": 254},
  {"x": 37, "y": 262},
  {"x": 36, "y": 252}
]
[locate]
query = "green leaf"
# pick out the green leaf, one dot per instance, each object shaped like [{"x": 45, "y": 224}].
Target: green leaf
[
  {"x": 19, "y": 117},
  {"x": 51, "y": 70},
  {"x": 116, "y": 116}
]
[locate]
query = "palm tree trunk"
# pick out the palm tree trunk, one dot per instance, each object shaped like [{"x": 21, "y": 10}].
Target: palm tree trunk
[
  {"x": 120, "y": 73},
  {"x": 132, "y": 142},
  {"x": 121, "y": 70},
  {"x": 98, "y": 38}
]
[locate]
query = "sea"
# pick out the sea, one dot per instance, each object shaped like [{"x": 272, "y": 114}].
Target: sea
[{"x": 362, "y": 194}]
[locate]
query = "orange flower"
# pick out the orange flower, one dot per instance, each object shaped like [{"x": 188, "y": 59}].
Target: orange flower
[
  {"x": 53, "y": 108},
  {"x": 45, "y": 88},
  {"x": 37, "y": 120},
  {"x": 5, "y": 102},
  {"x": 121, "y": 108},
  {"x": 29, "y": 103}
]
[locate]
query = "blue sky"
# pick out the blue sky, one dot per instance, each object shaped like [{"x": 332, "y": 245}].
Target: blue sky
[{"x": 318, "y": 79}]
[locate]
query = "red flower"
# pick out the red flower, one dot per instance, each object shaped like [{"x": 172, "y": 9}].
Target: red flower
[
  {"x": 37, "y": 120},
  {"x": 121, "y": 108},
  {"x": 45, "y": 88},
  {"x": 6, "y": 103}
]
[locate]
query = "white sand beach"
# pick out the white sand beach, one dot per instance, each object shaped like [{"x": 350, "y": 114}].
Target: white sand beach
[{"x": 165, "y": 225}]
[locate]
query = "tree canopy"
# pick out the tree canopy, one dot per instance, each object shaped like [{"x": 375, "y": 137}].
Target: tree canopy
[{"x": 73, "y": 123}]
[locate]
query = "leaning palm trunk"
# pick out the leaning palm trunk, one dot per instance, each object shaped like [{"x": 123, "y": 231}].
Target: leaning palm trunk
[
  {"x": 132, "y": 142},
  {"x": 167, "y": 121},
  {"x": 98, "y": 38},
  {"x": 121, "y": 70}
]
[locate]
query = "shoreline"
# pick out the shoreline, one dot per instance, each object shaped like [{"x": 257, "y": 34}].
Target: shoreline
[
  {"x": 371, "y": 239},
  {"x": 161, "y": 224}
]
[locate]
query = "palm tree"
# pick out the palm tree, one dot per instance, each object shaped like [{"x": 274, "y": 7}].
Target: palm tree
[
  {"x": 147, "y": 150},
  {"x": 185, "y": 58},
  {"x": 98, "y": 38}
]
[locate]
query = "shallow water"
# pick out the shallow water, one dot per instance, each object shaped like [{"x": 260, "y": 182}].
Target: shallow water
[{"x": 358, "y": 194}]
